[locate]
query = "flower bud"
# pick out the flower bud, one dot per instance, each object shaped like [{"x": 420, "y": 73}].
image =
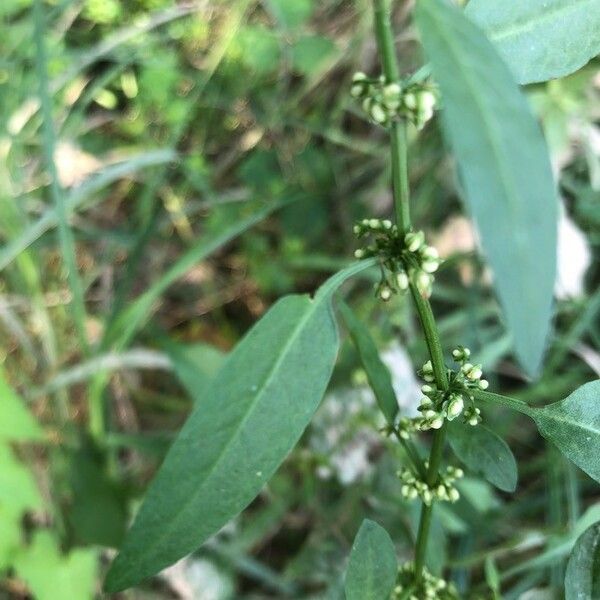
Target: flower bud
[
  {"x": 453, "y": 494},
  {"x": 386, "y": 223},
  {"x": 414, "y": 240},
  {"x": 484, "y": 384},
  {"x": 424, "y": 282},
  {"x": 377, "y": 113},
  {"x": 410, "y": 101},
  {"x": 428, "y": 389},
  {"x": 427, "y": 367},
  {"x": 455, "y": 406},
  {"x": 385, "y": 293},
  {"x": 402, "y": 281},
  {"x": 392, "y": 95},
  {"x": 430, "y": 266},
  {"x": 359, "y": 253},
  {"x": 437, "y": 422},
  {"x": 374, "y": 223}
]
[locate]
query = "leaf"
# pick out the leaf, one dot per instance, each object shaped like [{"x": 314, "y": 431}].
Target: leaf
[
  {"x": 96, "y": 511},
  {"x": 485, "y": 453},
  {"x": 573, "y": 425},
  {"x": 251, "y": 417},
  {"x": 505, "y": 169},
  {"x": 195, "y": 365},
  {"x": 16, "y": 422},
  {"x": 292, "y": 14},
  {"x": 260, "y": 48},
  {"x": 18, "y": 490},
  {"x": 310, "y": 52},
  {"x": 540, "y": 39},
  {"x": 378, "y": 374},
  {"x": 47, "y": 572},
  {"x": 582, "y": 578},
  {"x": 373, "y": 566}
]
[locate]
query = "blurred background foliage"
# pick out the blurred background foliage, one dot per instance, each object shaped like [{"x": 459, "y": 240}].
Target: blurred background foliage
[{"x": 209, "y": 160}]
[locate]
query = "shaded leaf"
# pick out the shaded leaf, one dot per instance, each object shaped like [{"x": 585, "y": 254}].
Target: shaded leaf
[
  {"x": 505, "y": 169},
  {"x": 291, "y": 14},
  {"x": 251, "y": 417},
  {"x": 378, "y": 374},
  {"x": 195, "y": 365},
  {"x": 310, "y": 52},
  {"x": 372, "y": 568},
  {"x": 96, "y": 511},
  {"x": 484, "y": 453},
  {"x": 582, "y": 578},
  {"x": 540, "y": 39}
]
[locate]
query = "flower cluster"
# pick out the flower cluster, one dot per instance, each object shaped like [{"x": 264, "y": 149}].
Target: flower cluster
[
  {"x": 443, "y": 490},
  {"x": 438, "y": 405},
  {"x": 404, "y": 257},
  {"x": 429, "y": 588},
  {"x": 386, "y": 101}
]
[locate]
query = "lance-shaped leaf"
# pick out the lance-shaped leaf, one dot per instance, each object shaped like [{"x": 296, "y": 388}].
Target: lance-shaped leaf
[
  {"x": 372, "y": 568},
  {"x": 378, "y": 374},
  {"x": 572, "y": 424},
  {"x": 582, "y": 578},
  {"x": 504, "y": 167},
  {"x": 251, "y": 416},
  {"x": 540, "y": 39},
  {"x": 485, "y": 453}
]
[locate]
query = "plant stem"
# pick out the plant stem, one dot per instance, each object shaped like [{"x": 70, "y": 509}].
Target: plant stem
[
  {"x": 400, "y": 187},
  {"x": 385, "y": 43}
]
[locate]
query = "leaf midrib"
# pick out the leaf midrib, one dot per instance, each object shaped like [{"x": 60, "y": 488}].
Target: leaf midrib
[
  {"x": 507, "y": 181},
  {"x": 182, "y": 513},
  {"x": 523, "y": 25}
]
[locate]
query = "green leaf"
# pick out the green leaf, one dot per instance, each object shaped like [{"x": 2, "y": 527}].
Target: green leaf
[
  {"x": 291, "y": 13},
  {"x": 372, "y": 569},
  {"x": 250, "y": 418},
  {"x": 46, "y": 572},
  {"x": 582, "y": 578},
  {"x": 16, "y": 422},
  {"x": 485, "y": 453},
  {"x": 18, "y": 490},
  {"x": 260, "y": 48},
  {"x": 96, "y": 511},
  {"x": 504, "y": 167},
  {"x": 540, "y": 39},
  {"x": 378, "y": 374},
  {"x": 195, "y": 365},
  {"x": 573, "y": 425},
  {"x": 310, "y": 53}
]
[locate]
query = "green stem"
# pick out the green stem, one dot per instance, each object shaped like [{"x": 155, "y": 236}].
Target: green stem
[
  {"x": 400, "y": 188},
  {"x": 385, "y": 43}
]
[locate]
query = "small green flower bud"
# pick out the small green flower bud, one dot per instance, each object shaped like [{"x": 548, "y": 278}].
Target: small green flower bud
[
  {"x": 385, "y": 293},
  {"x": 429, "y": 253},
  {"x": 402, "y": 281},
  {"x": 414, "y": 240},
  {"x": 427, "y": 367},
  {"x": 437, "y": 422},
  {"x": 427, "y": 497},
  {"x": 424, "y": 283},
  {"x": 392, "y": 95},
  {"x": 455, "y": 406},
  {"x": 378, "y": 114},
  {"x": 484, "y": 384},
  {"x": 410, "y": 101},
  {"x": 428, "y": 389},
  {"x": 358, "y": 76},
  {"x": 453, "y": 494},
  {"x": 430, "y": 266},
  {"x": 374, "y": 223},
  {"x": 474, "y": 373},
  {"x": 359, "y": 253},
  {"x": 386, "y": 223}
]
